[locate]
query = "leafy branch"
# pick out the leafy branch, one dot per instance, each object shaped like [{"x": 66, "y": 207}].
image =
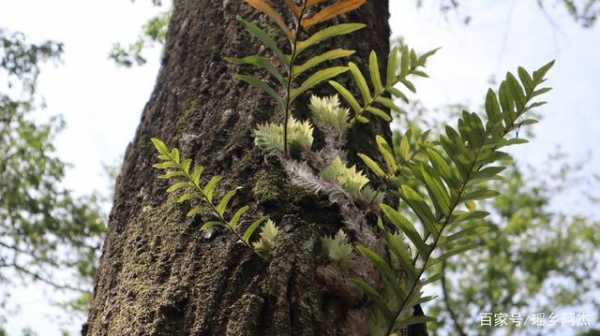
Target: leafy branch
[
  {"x": 186, "y": 180},
  {"x": 452, "y": 176},
  {"x": 287, "y": 63}
]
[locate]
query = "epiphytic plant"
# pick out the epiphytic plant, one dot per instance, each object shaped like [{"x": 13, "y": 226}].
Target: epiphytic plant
[
  {"x": 287, "y": 70},
  {"x": 426, "y": 201},
  {"x": 186, "y": 181}
]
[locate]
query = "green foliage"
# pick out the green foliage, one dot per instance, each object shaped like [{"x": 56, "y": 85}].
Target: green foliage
[
  {"x": 534, "y": 258},
  {"x": 375, "y": 97},
  {"x": 440, "y": 192},
  {"x": 154, "y": 32},
  {"x": 435, "y": 183},
  {"x": 338, "y": 249},
  {"x": 287, "y": 71},
  {"x": 186, "y": 182}
]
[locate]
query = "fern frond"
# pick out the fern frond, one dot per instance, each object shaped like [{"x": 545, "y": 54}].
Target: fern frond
[
  {"x": 303, "y": 20},
  {"x": 449, "y": 178},
  {"x": 375, "y": 96},
  {"x": 186, "y": 181}
]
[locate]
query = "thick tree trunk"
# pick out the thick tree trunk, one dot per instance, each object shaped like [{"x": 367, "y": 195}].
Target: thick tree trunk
[{"x": 159, "y": 275}]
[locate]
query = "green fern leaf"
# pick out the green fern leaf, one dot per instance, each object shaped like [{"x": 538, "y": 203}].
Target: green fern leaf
[
  {"x": 252, "y": 228},
  {"x": 262, "y": 63},
  {"x": 210, "y": 187},
  {"x": 327, "y": 33},
  {"x": 235, "y": 219},
  {"x": 315, "y": 79},
  {"x": 361, "y": 82},
  {"x": 261, "y": 85},
  {"x": 316, "y": 60},
  {"x": 260, "y": 34}
]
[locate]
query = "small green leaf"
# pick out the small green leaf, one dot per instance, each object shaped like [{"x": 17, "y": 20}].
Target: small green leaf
[
  {"x": 185, "y": 166},
  {"x": 196, "y": 174},
  {"x": 345, "y": 93},
  {"x": 327, "y": 56},
  {"x": 175, "y": 155},
  {"x": 386, "y": 152},
  {"x": 379, "y": 113},
  {"x": 185, "y": 197},
  {"x": 193, "y": 212},
  {"x": 261, "y": 85},
  {"x": 421, "y": 209},
  {"x": 252, "y": 228},
  {"x": 222, "y": 206},
  {"x": 404, "y": 62},
  {"x": 405, "y": 226},
  {"x": 235, "y": 220},
  {"x": 210, "y": 187},
  {"x": 405, "y": 149},
  {"x": 409, "y": 85},
  {"x": 374, "y": 72},
  {"x": 388, "y": 103},
  {"x": 479, "y": 194},
  {"x": 398, "y": 94},
  {"x": 526, "y": 80},
  {"x": 210, "y": 225},
  {"x": 392, "y": 68},
  {"x": 178, "y": 186},
  {"x": 361, "y": 82},
  {"x": 266, "y": 39},
  {"x": 171, "y": 174},
  {"x": 327, "y": 33},
  {"x": 160, "y": 146},
  {"x": 374, "y": 166},
  {"x": 259, "y": 62},
  {"x": 315, "y": 79},
  {"x": 165, "y": 165}
]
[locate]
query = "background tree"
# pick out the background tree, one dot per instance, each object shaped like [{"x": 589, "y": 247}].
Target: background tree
[
  {"x": 44, "y": 228},
  {"x": 536, "y": 259}
]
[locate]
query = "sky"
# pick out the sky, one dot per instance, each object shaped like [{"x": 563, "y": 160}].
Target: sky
[{"x": 102, "y": 103}]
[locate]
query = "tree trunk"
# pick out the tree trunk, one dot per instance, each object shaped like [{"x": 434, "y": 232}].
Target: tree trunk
[{"x": 159, "y": 274}]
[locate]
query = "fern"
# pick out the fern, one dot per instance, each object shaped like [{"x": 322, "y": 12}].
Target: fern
[
  {"x": 338, "y": 249},
  {"x": 286, "y": 71},
  {"x": 186, "y": 181},
  {"x": 376, "y": 99},
  {"x": 441, "y": 193}
]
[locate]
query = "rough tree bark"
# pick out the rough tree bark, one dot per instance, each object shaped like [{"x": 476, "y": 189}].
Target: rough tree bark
[{"x": 159, "y": 275}]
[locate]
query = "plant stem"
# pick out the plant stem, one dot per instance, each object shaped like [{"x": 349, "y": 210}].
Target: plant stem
[
  {"x": 290, "y": 69},
  {"x": 213, "y": 208}
]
